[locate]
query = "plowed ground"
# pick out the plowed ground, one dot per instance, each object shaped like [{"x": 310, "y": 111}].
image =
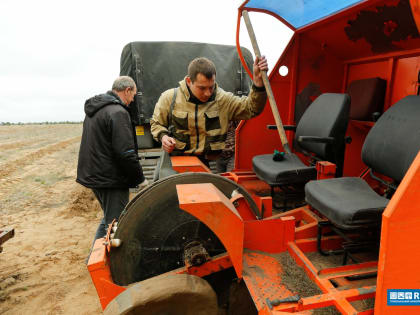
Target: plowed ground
[{"x": 42, "y": 269}]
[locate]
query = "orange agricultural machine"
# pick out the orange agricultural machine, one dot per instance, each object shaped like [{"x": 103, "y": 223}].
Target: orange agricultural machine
[{"x": 330, "y": 227}]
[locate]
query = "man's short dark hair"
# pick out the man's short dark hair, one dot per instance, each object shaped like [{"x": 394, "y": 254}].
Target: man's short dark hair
[{"x": 201, "y": 65}]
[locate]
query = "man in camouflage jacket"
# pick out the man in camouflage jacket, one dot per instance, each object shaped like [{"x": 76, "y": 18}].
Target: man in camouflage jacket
[{"x": 201, "y": 110}]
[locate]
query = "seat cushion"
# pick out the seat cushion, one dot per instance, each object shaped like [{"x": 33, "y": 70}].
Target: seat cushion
[
  {"x": 348, "y": 202},
  {"x": 290, "y": 170}
]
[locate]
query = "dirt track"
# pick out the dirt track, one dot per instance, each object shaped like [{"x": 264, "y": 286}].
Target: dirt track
[{"x": 42, "y": 269}]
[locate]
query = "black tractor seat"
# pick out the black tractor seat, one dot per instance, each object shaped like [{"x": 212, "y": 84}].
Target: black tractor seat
[
  {"x": 289, "y": 171},
  {"x": 359, "y": 205},
  {"x": 320, "y": 133},
  {"x": 389, "y": 149}
]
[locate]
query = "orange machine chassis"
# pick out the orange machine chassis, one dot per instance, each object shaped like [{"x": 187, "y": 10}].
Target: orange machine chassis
[{"x": 254, "y": 247}]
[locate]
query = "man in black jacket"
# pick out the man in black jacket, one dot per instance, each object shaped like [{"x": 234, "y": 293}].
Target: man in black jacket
[{"x": 108, "y": 162}]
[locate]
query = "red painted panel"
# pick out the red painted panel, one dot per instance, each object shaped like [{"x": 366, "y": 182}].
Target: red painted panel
[
  {"x": 318, "y": 64},
  {"x": 366, "y": 33},
  {"x": 405, "y": 78},
  {"x": 353, "y": 164},
  {"x": 368, "y": 70},
  {"x": 270, "y": 235}
]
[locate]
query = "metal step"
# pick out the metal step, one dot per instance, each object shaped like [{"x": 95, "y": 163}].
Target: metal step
[{"x": 149, "y": 161}]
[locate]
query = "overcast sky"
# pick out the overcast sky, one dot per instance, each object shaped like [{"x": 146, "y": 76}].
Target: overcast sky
[{"x": 56, "y": 54}]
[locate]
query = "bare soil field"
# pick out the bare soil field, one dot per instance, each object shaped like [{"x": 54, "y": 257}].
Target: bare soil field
[{"x": 42, "y": 269}]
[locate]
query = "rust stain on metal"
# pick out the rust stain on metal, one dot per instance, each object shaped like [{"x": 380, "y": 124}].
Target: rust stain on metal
[{"x": 383, "y": 27}]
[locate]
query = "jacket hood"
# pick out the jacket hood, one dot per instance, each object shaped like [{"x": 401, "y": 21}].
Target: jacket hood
[{"x": 95, "y": 103}]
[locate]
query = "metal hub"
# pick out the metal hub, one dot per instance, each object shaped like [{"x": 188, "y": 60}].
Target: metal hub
[{"x": 195, "y": 254}]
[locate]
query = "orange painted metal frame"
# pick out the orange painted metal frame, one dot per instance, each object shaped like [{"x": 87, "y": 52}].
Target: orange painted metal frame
[
  {"x": 332, "y": 296},
  {"x": 306, "y": 222},
  {"x": 210, "y": 206},
  {"x": 325, "y": 169},
  {"x": 399, "y": 254},
  {"x": 100, "y": 273},
  {"x": 293, "y": 231},
  {"x": 254, "y": 242},
  {"x": 184, "y": 164},
  {"x": 263, "y": 238},
  {"x": 107, "y": 290}
]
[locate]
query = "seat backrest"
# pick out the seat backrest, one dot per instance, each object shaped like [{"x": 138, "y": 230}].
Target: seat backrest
[
  {"x": 367, "y": 96},
  {"x": 327, "y": 116},
  {"x": 394, "y": 141}
]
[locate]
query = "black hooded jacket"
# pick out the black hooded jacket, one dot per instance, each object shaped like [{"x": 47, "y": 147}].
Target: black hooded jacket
[{"x": 107, "y": 156}]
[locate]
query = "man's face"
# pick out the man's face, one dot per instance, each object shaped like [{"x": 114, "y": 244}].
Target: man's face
[
  {"x": 202, "y": 88},
  {"x": 129, "y": 94}
]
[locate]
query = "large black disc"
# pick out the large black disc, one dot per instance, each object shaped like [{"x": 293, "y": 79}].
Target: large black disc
[{"x": 154, "y": 230}]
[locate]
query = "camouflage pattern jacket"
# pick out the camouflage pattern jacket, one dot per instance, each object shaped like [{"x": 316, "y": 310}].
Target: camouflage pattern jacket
[{"x": 201, "y": 129}]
